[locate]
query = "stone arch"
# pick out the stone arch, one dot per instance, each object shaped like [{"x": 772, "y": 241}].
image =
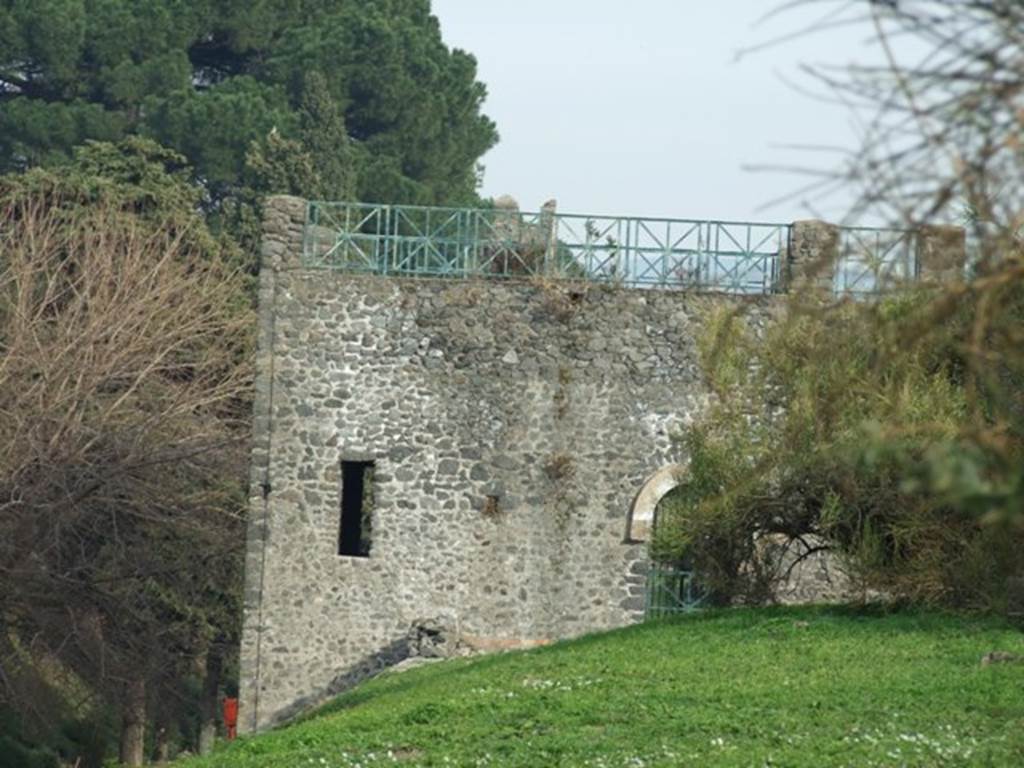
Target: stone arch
[{"x": 640, "y": 522}]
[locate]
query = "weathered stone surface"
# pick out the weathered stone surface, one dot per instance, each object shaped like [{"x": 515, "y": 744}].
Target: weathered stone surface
[
  {"x": 436, "y": 638},
  {"x": 813, "y": 256},
  {"x": 459, "y": 392},
  {"x": 941, "y": 254},
  {"x": 1000, "y": 657},
  {"x": 812, "y": 571},
  {"x": 511, "y": 423}
]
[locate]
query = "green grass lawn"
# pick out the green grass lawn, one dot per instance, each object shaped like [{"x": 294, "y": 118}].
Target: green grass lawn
[{"x": 735, "y": 688}]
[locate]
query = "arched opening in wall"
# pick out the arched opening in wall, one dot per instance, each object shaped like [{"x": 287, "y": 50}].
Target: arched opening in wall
[
  {"x": 672, "y": 585},
  {"x": 642, "y": 513}
]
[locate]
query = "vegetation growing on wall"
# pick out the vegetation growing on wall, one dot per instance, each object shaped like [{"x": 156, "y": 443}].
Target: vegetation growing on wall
[{"x": 895, "y": 430}]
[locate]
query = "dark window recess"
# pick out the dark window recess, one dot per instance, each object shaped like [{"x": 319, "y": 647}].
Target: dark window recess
[{"x": 354, "y": 539}]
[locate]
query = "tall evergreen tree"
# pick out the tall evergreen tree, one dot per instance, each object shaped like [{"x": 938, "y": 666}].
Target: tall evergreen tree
[
  {"x": 325, "y": 138},
  {"x": 209, "y": 77}
]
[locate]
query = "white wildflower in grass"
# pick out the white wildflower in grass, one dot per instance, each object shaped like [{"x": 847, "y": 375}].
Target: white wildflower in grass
[
  {"x": 549, "y": 706},
  {"x": 563, "y": 686}
]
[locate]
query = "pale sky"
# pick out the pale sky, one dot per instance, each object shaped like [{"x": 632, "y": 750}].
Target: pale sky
[{"x": 644, "y": 108}]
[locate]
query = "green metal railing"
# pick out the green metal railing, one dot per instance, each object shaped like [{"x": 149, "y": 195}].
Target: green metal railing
[
  {"x": 671, "y": 591},
  {"x": 738, "y": 257},
  {"x": 875, "y": 260},
  {"x": 734, "y": 257}
]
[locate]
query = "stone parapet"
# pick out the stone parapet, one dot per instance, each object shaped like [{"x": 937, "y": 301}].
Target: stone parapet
[
  {"x": 284, "y": 228},
  {"x": 813, "y": 256},
  {"x": 941, "y": 254}
]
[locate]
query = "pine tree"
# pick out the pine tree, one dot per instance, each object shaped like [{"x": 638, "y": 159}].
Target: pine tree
[{"x": 207, "y": 78}]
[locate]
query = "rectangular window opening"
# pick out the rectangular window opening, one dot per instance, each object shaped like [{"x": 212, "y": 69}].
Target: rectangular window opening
[{"x": 354, "y": 538}]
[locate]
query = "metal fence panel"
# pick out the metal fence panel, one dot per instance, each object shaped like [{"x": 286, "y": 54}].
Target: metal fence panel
[
  {"x": 671, "y": 591},
  {"x": 671, "y": 254},
  {"x": 873, "y": 261},
  {"x": 415, "y": 241}
]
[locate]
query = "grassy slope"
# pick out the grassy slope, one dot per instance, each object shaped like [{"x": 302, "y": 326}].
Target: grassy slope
[{"x": 740, "y": 688}]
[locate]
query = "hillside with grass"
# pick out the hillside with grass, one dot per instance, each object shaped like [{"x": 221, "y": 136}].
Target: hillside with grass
[{"x": 768, "y": 687}]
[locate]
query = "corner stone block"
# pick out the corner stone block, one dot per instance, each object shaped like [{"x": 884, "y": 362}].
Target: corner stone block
[
  {"x": 284, "y": 224},
  {"x": 941, "y": 254},
  {"x": 813, "y": 256},
  {"x": 549, "y": 231}
]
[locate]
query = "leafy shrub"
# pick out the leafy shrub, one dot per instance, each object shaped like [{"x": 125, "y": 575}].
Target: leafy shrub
[{"x": 893, "y": 430}]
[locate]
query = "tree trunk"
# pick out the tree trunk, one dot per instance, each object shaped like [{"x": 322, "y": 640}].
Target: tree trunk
[
  {"x": 162, "y": 733},
  {"x": 133, "y": 724},
  {"x": 162, "y": 752},
  {"x": 210, "y": 699},
  {"x": 207, "y": 736}
]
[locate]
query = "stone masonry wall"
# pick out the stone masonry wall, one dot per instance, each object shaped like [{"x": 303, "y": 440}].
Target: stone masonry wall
[
  {"x": 556, "y": 402},
  {"x": 511, "y": 424}
]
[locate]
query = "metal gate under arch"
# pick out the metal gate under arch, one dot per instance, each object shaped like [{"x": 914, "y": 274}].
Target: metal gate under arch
[{"x": 671, "y": 591}]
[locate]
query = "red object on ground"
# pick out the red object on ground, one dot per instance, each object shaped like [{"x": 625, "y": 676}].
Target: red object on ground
[{"x": 231, "y": 717}]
